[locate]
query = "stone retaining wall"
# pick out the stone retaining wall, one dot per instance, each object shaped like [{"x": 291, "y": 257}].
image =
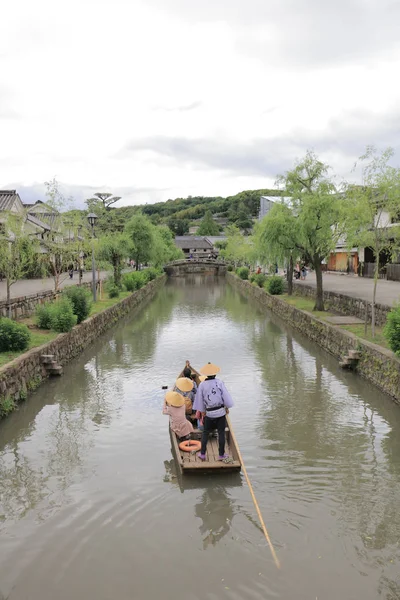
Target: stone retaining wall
[
  {"x": 26, "y": 372},
  {"x": 378, "y": 365},
  {"x": 346, "y": 305},
  {"x": 25, "y": 306}
]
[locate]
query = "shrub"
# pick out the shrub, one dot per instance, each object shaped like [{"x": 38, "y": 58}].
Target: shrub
[
  {"x": 152, "y": 273},
  {"x": 81, "y": 301},
  {"x": 391, "y": 330},
  {"x": 113, "y": 291},
  {"x": 43, "y": 316},
  {"x": 136, "y": 280},
  {"x": 274, "y": 285},
  {"x": 62, "y": 316},
  {"x": 13, "y": 336},
  {"x": 259, "y": 279},
  {"x": 229, "y": 268},
  {"x": 243, "y": 272}
]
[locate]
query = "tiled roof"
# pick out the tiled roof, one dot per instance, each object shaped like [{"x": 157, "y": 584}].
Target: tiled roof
[
  {"x": 191, "y": 241},
  {"x": 7, "y": 199},
  {"x": 37, "y": 222}
]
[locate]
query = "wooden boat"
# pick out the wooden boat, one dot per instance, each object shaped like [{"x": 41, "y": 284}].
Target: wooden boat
[{"x": 188, "y": 462}]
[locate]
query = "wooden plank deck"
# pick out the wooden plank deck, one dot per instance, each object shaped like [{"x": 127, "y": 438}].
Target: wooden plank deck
[{"x": 189, "y": 461}]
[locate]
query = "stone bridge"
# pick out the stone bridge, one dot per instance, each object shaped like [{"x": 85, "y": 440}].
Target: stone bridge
[{"x": 206, "y": 266}]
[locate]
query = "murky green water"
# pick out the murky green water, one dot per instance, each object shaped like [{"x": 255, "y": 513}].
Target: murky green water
[{"x": 90, "y": 507}]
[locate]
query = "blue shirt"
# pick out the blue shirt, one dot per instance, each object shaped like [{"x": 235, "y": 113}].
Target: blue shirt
[{"x": 212, "y": 393}]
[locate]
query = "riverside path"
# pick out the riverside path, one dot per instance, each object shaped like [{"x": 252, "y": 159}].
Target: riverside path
[
  {"x": 25, "y": 287},
  {"x": 388, "y": 292}
]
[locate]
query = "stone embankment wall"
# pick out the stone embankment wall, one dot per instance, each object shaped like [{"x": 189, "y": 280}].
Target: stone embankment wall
[
  {"x": 25, "y": 306},
  {"x": 378, "y": 365},
  {"x": 26, "y": 372},
  {"x": 346, "y": 305}
]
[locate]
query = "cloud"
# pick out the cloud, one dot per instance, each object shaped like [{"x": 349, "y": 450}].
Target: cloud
[
  {"x": 300, "y": 32},
  {"x": 347, "y": 134},
  {"x": 183, "y": 108},
  {"x": 75, "y": 195}
]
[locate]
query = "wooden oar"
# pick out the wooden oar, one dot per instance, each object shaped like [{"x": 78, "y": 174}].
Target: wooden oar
[{"x": 271, "y": 547}]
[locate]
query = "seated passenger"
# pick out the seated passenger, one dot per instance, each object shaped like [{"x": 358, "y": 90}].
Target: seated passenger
[
  {"x": 174, "y": 406},
  {"x": 184, "y": 386}
]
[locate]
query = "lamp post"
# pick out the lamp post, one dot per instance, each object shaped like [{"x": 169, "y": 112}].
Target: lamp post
[
  {"x": 92, "y": 220},
  {"x": 80, "y": 254}
]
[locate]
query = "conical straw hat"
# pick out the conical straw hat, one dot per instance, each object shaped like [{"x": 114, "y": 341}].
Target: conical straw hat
[
  {"x": 184, "y": 384},
  {"x": 202, "y": 378},
  {"x": 209, "y": 369},
  {"x": 174, "y": 399}
]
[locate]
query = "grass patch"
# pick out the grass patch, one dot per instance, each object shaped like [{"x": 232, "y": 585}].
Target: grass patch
[
  {"x": 100, "y": 305},
  {"x": 358, "y": 330},
  {"x": 39, "y": 337},
  {"x": 306, "y": 304}
]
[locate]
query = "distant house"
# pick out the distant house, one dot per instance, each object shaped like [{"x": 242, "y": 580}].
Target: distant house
[
  {"x": 197, "y": 246},
  {"x": 10, "y": 202},
  {"x": 266, "y": 203},
  {"x": 193, "y": 230}
]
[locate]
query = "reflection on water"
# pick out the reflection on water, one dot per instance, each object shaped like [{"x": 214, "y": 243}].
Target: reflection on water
[
  {"x": 216, "y": 511},
  {"x": 91, "y": 505}
]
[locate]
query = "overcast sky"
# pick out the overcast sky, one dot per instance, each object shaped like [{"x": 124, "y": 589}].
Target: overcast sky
[{"x": 163, "y": 98}]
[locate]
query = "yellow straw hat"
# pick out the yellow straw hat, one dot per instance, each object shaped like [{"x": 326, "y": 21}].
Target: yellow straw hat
[
  {"x": 184, "y": 384},
  {"x": 174, "y": 399},
  {"x": 202, "y": 378},
  {"x": 209, "y": 369}
]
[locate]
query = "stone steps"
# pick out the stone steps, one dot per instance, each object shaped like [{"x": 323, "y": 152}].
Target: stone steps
[
  {"x": 351, "y": 360},
  {"x": 52, "y": 367}
]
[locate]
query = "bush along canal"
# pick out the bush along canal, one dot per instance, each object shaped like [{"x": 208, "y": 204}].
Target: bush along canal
[
  {"x": 25, "y": 373},
  {"x": 378, "y": 365}
]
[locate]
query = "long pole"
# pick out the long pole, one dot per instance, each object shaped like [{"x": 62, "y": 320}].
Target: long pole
[
  {"x": 93, "y": 269},
  {"x": 271, "y": 547}
]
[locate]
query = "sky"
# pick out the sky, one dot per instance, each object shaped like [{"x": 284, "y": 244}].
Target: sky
[{"x": 168, "y": 98}]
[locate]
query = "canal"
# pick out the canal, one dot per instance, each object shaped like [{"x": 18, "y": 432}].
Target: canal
[{"x": 90, "y": 504}]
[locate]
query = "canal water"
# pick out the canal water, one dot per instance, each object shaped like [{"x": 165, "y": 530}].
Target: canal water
[{"x": 91, "y": 507}]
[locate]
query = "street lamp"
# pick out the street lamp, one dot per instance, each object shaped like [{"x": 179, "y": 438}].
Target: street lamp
[{"x": 92, "y": 220}]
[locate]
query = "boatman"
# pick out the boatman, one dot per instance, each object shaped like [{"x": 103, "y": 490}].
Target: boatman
[{"x": 213, "y": 401}]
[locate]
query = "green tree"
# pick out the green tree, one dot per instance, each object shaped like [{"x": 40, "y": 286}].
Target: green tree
[
  {"x": 104, "y": 198},
  {"x": 277, "y": 239},
  {"x": 239, "y": 249},
  {"x": 140, "y": 231},
  {"x": 18, "y": 252},
  {"x": 318, "y": 213},
  {"x": 243, "y": 218},
  {"x": 374, "y": 210},
  {"x": 164, "y": 249},
  {"x": 208, "y": 226},
  {"x": 114, "y": 249},
  {"x": 60, "y": 248},
  {"x": 178, "y": 226}
]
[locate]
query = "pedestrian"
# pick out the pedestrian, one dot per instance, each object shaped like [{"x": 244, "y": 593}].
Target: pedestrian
[
  {"x": 71, "y": 271},
  {"x": 213, "y": 401}
]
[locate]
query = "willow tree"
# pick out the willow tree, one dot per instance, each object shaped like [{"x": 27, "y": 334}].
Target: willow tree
[
  {"x": 317, "y": 209},
  {"x": 114, "y": 249},
  {"x": 374, "y": 209},
  {"x": 277, "y": 238},
  {"x": 140, "y": 231},
  {"x": 18, "y": 252}
]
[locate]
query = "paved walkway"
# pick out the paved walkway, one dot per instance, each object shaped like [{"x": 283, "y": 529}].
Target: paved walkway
[
  {"x": 25, "y": 287},
  {"x": 388, "y": 292}
]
